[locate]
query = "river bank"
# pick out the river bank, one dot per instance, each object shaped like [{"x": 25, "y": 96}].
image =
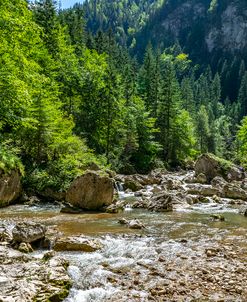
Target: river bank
[{"x": 196, "y": 252}]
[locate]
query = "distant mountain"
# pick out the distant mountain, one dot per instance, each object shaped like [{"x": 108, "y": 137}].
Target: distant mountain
[
  {"x": 212, "y": 32},
  {"x": 124, "y": 17},
  {"x": 205, "y": 29}
]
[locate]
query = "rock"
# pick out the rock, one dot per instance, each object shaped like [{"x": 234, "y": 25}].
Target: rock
[
  {"x": 28, "y": 232},
  {"x": 135, "y": 224},
  {"x": 234, "y": 191},
  {"x": 47, "y": 256},
  {"x": 69, "y": 209},
  {"x": 204, "y": 190},
  {"x": 164, "y": 202},
  {"x": 77, "y": 243},
  {"x": 5, "y": 234},
  {"x": 201, "y": 178},
  {"x": 218, "y": 217},
  {"x": 218, "y": 182},
  {"x": 91, "y": 191},
  {"x": 26, "y": 278},
  {"x": 212, "y": 166},
  {"x": 123, "y": 221},
  {"x": 236, "y": 173},
  {"x": 243, "y": 211},
  {"x": 25, "y": 248},
  {"x": 211, "y": 252},
  {"x": 114, "y": 209},
  {"x": 132, "y": 184},
  {"x": 10, "y": 187}
]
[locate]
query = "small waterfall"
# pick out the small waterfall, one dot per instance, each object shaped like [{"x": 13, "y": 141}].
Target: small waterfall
[{"x": 119, "y": 186}]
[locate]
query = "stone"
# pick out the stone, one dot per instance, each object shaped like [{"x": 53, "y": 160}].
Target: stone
[
  {"x": 25, "y": 248},
  {"x": 212, "y": 166},
  {"x": 218, "y": 182},
  {"x": 201, "y": 178},
  {"x": 217, "y": 217},
  {"x": 204, "y": 190},
  {"x": 26, "y": 278},
  {"x": 123, "y": 221},
  {"x": 91, "y": 191},
  {"x": 234, "y": 191},
  {"x": 78, "y": 244},
  {"x": 132, "y": 184},
  {"x": 5, "y": 234},
  {"x": 69, "y": 209},
  {"x": 114, "y": 209},
  {"x": 28, "y": 232},
  {"x": 10, "y": 187},
  {"x": 135, "y": 224}
]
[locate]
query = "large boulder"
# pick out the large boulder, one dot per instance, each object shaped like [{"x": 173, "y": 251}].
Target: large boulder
[
  {"x": 212, "y": 166},
  {"x": 91, "y": 191},
  {"x": 203, "y": 190},
  {"x": 233, "y": 191},
  {"x": 10, "y": 187},
  {"x": 28, "y": 232},
  {"x": 164, "y": 202},
  {"x": 77, "y": 244}
]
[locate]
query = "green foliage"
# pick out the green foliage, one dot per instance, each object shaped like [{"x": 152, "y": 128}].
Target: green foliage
[
  {"x": 9, "y": 159},
  {"x": 242, "y": 137}
]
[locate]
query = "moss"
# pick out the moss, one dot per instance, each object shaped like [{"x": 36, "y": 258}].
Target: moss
[{"x": 224, "y": 164}]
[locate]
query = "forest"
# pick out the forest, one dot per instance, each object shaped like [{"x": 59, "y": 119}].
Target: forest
[{"x": 75, "y": 92}]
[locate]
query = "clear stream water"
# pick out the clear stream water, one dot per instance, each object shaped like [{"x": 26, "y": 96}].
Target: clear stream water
[{"x": 123, "y": 246}]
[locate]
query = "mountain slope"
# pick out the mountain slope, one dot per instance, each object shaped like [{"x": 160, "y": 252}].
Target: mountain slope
[{"x": 205, "y": 29}]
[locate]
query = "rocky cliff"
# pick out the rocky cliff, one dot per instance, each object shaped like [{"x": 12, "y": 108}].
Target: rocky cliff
[{"x": 205, "y": 29}]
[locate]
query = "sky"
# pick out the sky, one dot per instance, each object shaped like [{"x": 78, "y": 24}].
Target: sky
[{"x": 69, "y": 3}]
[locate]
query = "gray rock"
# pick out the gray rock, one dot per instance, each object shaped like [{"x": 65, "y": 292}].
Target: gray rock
[
  {"x": 91, "y": 191},
  {"x": 77, "y": 243},
  {"x": 135, "y": 224},
  {"x": 28, "y": 232}
]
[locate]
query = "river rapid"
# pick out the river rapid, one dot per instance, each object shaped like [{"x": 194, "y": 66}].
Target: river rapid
[{"x": 184, "y": 255}]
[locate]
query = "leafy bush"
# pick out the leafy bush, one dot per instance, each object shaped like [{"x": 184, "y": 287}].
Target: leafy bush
[{"x": 9, "y": 159}]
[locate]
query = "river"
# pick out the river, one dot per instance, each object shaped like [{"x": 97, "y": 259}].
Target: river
[{"x": 183, "y": 255}]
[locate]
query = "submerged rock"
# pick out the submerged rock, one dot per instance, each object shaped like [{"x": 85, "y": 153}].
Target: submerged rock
[
  {"x": 91, "y": 191},
  {"x": 218, "y": 217},
  {"x": 132, "y": 224},
  {"x": 10, "y": 187},
  {"x": 77, "y": 243},
  {"x": 28, "y": 232},
  {"x": 135, "y": 224}
]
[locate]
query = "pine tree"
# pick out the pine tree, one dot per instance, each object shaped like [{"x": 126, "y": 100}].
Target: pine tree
[
  {"x": 242, "y": 96},
  {"x": 203, "y": 131}
]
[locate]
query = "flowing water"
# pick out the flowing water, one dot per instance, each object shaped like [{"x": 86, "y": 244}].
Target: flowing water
[{"x": 127, "y": 253}]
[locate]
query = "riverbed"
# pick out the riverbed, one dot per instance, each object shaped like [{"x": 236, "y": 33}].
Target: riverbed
[{"x": 184, "y": 255}]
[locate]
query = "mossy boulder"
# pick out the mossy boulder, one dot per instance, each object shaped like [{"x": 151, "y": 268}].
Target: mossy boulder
[{"x": 212, "y": 166}]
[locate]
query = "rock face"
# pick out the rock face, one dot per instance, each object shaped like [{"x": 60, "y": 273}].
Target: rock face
[
  {"x": 212, "y": 166},
  {"x": 10, "y": 187},
  {"x": 91, "y": 191},
  {"x": 25, "y": 278},
  {"x": 28, "y": 232},
  {"x": 77, "y": 243}
]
